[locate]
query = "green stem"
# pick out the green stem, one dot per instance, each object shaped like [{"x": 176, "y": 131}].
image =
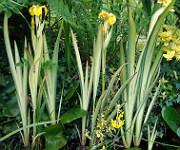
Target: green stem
[
  {"x": 34, "y": 121},
  {"x": 83, "y": 142},
  {"x": 103, "y": 69}
]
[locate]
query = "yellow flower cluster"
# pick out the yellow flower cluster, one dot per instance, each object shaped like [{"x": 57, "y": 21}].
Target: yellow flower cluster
[
  {"x": 101, "y": 127},
  {"x": 164, "y": 2},
  {"x": 36, "y": 10},
  {"x": 118, "y": 122},
  {"x": 108, "y": 18},
  {"x": 171, "y": 42}
]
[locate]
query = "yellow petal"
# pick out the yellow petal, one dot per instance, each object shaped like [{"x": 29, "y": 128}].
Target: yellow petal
[
  {"x": 104, "y": 15},
  {"x": 38, "y": 10},
  {"x": 169, "y": 55},
  {"x": 166, "y": 36},
  {"x": 119, "y": 116},
  {"x": 31, "y": 10},
  {"x": 166, "y": 48},
  {"x": 45, "y": 10},
  {"x": 176, "y": 48},
  {"x": 117, "y": 123},
  {"x": 178, "y": 56},
  {"x": 111, "y": 19}
]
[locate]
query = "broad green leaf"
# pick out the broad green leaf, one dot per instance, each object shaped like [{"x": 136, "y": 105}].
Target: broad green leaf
[
  {"x": 71, "y": 91},
  {"x": 72, "y": 115},
  {"x": 11, "y": 110},
  {"x": 55, "y": 139},
  {"x": 171, "y": 117}
]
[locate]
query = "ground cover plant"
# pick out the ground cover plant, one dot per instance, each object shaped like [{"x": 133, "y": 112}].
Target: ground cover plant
[{"x": 84, "y": 74}]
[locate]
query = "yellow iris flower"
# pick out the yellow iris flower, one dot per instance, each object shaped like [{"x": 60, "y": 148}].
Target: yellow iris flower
[
  {"x": 36, "y": 10},
  {"x": 109, "y": 18}
]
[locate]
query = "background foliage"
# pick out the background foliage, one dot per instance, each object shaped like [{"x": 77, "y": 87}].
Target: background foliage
[{"x": 81, "y": 16}]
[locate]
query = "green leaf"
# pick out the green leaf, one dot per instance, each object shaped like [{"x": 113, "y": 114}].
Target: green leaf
[
  {"x": 177, "y": 85},
  {"x": 48, "y": 65},
  {"x": 55, "y": 139},
  {"x": 178, "y": 99},
  {"x": 61, "y": 9},
  {"x": 147, "y": 6},
  {"x": 178, "y": 132},
  {"x": 171, "y": 117},
  {"x": 10, "y": 108},
  {"x": 71, "y": 92},
  {"x": 72, "y": 115}
]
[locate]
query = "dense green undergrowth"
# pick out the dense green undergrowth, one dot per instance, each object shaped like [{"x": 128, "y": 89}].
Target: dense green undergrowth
[{"x": 84, "y": 74}]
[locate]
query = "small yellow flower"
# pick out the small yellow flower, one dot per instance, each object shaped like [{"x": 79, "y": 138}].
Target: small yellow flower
[
  {"x": 178, "y": 56},
  {"x": 166, "y": 48},
  {"x": 87, "y": 134},
  {"x": 163, "y": 95},
  {"x": 111, "y": 20},
  {"x": 169, "y": 55},
  {"x": 99, "y": 134},
  {"x": 177, "y": 41},
  {"x": 164, "y": 2},
  {"x": 103, "y": 148},
  {"x": 119, "y": 116},
  {"x": 117, "y": 123},
  {"x": 166, "y": 36},
  {"x": 176, "y": 48},
  {"x": 163, "y": 81},
  {"x": 171, "y": 42},
  {"x": 104, "y": 15}
]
